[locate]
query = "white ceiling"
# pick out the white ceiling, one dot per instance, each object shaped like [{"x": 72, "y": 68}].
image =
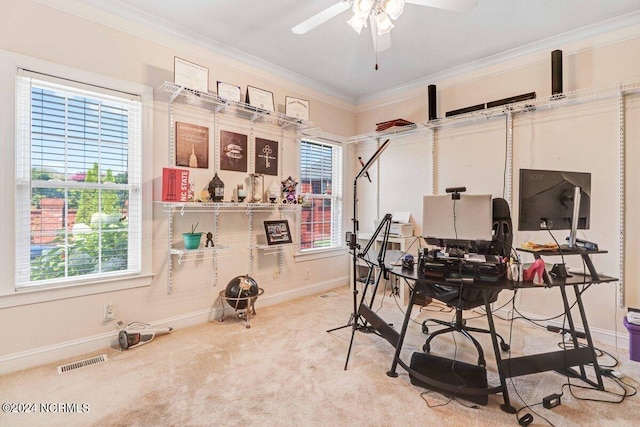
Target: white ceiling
[{"x": 426, "y": 43}]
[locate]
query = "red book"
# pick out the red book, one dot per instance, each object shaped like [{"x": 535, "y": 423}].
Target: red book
[{"x": 175, "y": 185}]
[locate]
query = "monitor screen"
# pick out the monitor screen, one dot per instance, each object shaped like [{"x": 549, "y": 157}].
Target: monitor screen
[
  {"x": 546, "y": 199},
  {"x": 468, "y": 219}
]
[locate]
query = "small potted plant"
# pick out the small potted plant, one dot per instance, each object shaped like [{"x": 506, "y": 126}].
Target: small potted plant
[{"x": 192, "y": 240}]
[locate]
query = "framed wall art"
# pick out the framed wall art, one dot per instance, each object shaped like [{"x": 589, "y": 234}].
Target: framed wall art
[
  {"x": 190, "y": 75},
  {"x": 192, "y": 145},
  {"x": 296, "y": 108},
  {"x": 277, "y": 232},
  {"x": 233, "y": 151},
  {"x": 229, "y": 92},
  {"x": 266, "y": 156},
  {"x": 259, "y": 98}
]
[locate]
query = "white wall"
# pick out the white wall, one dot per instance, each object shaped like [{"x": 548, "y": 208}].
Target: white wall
[
  {"x": 582, "y": 138},
  {"x": 47, "y": 331}
]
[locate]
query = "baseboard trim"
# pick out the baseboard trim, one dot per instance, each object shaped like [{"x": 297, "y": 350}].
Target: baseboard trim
[
  {"x": 618, "y": 339},
  {"x": 64, "y": 350}
]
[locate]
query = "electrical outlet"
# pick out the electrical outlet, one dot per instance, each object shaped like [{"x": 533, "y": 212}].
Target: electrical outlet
[
  {"x": 276, "y": 273},
  {"x": 109, "y": 312}
]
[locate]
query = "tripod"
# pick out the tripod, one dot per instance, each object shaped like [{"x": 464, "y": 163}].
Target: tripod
[{"x": 356, "y": 322}]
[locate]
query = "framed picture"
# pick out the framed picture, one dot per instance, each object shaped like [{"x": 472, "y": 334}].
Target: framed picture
[
  {"x": 229, "y": 92},
  {"x": 277, "y": 232},
  {"x": 259, "y": 98},
  {"x": 233, "y": 151},
  {"x": 266, "y": 156},
  {"x": 190, "y": 75},
  {"x": 296, "y": 108},
  {"x": 192, "y": 145}
]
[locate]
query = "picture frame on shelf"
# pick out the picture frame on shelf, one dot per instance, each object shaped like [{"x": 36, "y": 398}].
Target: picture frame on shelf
[
  {"x": 233, "y": 151},
  {"x": 296, "y": 108},
  {"x": 260, "y": 99},
  {"x": 278, "y": 232},
  {"x": 266, "y": 156},
  {"x": 192, "y": 145},
  {"x": 190, "y": 75},
  {"x": 228, "y": 91}
]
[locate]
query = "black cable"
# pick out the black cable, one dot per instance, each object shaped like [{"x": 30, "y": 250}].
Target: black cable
[{"x": 526, "y": 405}]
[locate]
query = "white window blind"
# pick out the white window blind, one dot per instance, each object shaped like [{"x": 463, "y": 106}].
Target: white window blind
[
  {"x": 321, "y": 182},
  {"x": 78, "y": 179}
]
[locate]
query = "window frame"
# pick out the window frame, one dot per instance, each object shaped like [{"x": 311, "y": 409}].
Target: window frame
[
  {"x": 337, "y": 198},
  {"x": 10, "y": 64}
]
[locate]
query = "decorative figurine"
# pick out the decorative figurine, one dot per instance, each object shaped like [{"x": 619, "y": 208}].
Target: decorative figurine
[
  {"x": 255, "y": 186},
  {"x": 209, "y": 240},
  {"x": 273, "y": 191},
  {"x": 191, "y": 194},
  {"x": 216, "y": 188},
  {"x": 241, "y": 192},
  {"x": 289, "y": 191}
]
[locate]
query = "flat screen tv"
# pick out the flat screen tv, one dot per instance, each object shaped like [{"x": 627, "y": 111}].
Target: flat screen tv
[{"x": 547, "y": 200}]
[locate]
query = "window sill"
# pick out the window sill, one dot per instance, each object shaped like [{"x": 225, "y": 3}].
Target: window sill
[
  {"x": 35, "y": 296},
  {"x": 319, "y": 254}
]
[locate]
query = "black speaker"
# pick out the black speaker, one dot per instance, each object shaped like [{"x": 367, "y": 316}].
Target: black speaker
[
  {"x": 433, "y": 114},
  {"x": 454, "y": 373},
  {"x": 556, "y": 72}
]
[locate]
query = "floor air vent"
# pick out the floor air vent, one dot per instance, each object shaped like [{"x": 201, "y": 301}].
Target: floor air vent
[
  {"x": 328, "y": 295},
  {"x": 82, "y": 363}
]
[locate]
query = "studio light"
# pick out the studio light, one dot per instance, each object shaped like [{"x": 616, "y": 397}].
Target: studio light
[{"x": 382, "y": 10}]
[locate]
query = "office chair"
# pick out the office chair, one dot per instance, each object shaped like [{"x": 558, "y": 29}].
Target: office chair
[{"x": 468, "y": 297}]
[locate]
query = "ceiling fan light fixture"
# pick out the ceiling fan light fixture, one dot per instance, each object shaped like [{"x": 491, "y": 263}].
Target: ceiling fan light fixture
[
  {"x": 362, "y": 8},
  {"x": 357, "y": 23},
  {"x": 393, "y": 8},
  {"x": 383, "y": 23}
]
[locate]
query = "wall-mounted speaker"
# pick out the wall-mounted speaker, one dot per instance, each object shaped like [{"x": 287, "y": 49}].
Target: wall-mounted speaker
[
  {"x": 433, "y": 114},
  {"x": 556, "y": 72}
]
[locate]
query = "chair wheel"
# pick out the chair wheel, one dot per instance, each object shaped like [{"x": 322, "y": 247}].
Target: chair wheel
[
  {"x": 504, "y": 346},
  {"x": 425, "y": 329},
  {"x": 426, "y": 348}
]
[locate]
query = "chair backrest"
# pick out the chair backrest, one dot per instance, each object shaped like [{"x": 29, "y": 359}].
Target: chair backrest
[{"x": 502, "y": 239}]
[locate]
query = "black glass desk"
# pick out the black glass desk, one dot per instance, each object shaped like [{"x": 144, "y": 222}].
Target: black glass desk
[{"x": 563, "y": 361}]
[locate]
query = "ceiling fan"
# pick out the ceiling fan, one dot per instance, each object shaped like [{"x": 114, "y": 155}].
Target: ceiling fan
[{"x": 379, "y": 13}]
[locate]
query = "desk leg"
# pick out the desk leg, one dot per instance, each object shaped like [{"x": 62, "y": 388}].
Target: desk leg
[
  {"x": 392, "y": 372},
  {"x": 506, "y": 407},
  {"x": 587, "y": 334},
  {"x": 572, "y": 328}
]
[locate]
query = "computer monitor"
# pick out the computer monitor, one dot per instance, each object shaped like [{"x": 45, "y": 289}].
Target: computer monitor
[
  {"x": 465, "y": 223},
  {"x": 547, "y": 201}
]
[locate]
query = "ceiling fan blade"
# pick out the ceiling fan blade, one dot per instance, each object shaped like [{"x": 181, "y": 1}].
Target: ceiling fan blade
[
  {"x": 455, "y": 5},
  {"x": 321, "y": 17},
  {"x": 380, "y": 43}
]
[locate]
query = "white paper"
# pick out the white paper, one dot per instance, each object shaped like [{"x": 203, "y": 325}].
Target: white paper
[
  {"x": 190, "y": 75},
  {"x": 296, "y": 108},
  {"x": 260, "y": 98},
  {"x": 230, "y": 92}
]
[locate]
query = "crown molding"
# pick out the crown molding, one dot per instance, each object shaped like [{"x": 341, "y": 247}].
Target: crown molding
[
  {"x": 132, "y": 19},
  {"x": 545, "y": 45},
  {"x": 86, "y": 10}
]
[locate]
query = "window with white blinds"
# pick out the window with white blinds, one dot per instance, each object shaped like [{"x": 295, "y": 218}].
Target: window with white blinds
[
  {"x": 321, "y": 182},
  {"x": 78, "y": 179}
]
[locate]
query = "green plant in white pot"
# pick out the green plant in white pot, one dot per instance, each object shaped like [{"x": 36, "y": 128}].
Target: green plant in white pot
[{"x": 192, "y": 240}]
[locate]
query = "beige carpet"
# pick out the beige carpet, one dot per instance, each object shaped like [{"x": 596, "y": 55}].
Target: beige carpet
[{"x": 287, "y": 371}]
